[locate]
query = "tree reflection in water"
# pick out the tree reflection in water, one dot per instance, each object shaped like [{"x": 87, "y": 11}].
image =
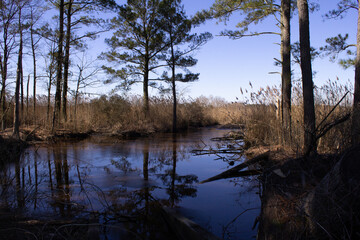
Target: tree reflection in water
[{"x": 105, "y": 189}]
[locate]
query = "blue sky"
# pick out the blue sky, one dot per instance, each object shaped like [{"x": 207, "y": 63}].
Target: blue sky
[{"x": 225, "y": 65}]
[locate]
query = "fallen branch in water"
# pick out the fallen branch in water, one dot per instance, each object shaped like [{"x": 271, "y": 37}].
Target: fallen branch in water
[
  {"x": 213, "y": 151},
  {"x": 236, "y": 171}
]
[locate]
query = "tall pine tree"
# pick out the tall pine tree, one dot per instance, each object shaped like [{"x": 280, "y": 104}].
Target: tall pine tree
[{"x": 136, "y": 44}]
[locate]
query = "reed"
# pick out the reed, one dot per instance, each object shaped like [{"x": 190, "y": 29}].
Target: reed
[{"x": 259, "y": 112}]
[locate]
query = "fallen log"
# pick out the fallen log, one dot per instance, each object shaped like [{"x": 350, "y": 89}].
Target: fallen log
[{"x": 236, "y": 171}]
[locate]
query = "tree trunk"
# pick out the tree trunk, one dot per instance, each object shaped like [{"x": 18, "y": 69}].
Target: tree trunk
[
  {"x": 173, "y": 82},
  {"x": 308, "y": 94},
  {"x": 22, "y": 93},
  {"x": 18, "y": 82},
  {"x": 355, "y": 128},
  {"x": 34, "y": 66},
  {"x": 66, "y": 61},
  {"x": 59, "y": 56},
  {"x": 174, "y": 128},
  {"x": 3, "y": 88},
  {"x": 27, "y": 99},
  {"x": 1, "y": 72},
  {"x": 286, "y": 71},
  {"x": 77, "y": 96},
  {"x": 48, "y": 98},
  {"x": 146, "y": 89}
]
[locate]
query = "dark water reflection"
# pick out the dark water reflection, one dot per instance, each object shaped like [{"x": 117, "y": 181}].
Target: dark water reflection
[{"x": 119, "y": 185}]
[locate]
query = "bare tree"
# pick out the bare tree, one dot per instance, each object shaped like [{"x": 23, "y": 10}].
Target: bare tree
[
  {"x": 35, "y": 38},
  {"x": 86, "y": 72},
  {"x": 8, "y": 45},
  {"x": 78, "y": 15},
  {"x": 19, "y": 76}
]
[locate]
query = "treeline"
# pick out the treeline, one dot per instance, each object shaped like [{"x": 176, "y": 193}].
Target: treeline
[
  {"x": 147, "y": 36},
  {"x": 151, "y": 44}
]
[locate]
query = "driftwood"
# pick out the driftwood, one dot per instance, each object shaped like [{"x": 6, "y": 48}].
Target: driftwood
[
  {"x": 236, "y": 171},
  {"x": 217, "y": 151}
]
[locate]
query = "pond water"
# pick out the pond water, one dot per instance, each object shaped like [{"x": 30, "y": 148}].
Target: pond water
[{"x": 118, "y": 183}]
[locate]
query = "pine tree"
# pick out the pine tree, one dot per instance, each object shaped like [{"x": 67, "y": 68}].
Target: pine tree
[{"x": 136, "y": 44}]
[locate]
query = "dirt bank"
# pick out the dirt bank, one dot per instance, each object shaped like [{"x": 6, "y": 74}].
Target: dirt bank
[
  {"x": 10, "y": 148},
  {"x": 310, "y": 197}
]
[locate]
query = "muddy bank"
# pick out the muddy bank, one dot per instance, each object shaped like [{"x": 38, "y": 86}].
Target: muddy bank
[
  {"x": 10, "y": 149},
  {"x": 310, "y": 197}
]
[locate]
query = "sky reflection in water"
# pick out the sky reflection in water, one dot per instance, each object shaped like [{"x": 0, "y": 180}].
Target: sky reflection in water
[{"x": 124, "y": 180}]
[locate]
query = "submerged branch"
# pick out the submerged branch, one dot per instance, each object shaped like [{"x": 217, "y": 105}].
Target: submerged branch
[
  {"x": 199, "y": 152},
  {"x": 236, "y": 171}
]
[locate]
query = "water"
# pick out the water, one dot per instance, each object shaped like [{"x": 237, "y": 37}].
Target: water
[{"x": 119, "y": 185}]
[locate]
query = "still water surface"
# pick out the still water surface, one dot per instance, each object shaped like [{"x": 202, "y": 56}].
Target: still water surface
[{"x": 117, "y": 183}]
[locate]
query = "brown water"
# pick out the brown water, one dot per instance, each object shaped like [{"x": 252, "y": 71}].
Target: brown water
[{"x": 118, "y": 185}]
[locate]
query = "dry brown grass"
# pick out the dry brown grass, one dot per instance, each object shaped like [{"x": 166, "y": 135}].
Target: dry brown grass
[{"x": 259, "y": 112}]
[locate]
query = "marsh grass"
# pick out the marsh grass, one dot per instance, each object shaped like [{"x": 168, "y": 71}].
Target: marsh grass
[
  {"x": 117, "y": 114},
  {"x": 263, "y": 119},
  {"x": 259, "y": 112}
]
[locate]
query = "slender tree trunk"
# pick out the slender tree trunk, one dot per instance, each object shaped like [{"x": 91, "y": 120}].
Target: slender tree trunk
[
  {"x": 1, "y": 72},
  {"x": 34, "y": 69},
  {"x": 77, "y": 96},
  {"x": 17, "y": 103},
  {"x": 286, "y": 71},
  {"x": 49, "y": 99},
  {"x": 355, "y": 128},
  {"x": 2, "y": 95},
  {"x": 146, "y": 89},
  {"x": 59, "y": 57},
  {"x": 66, "y": 60},
  {"x": 308, "y": 94},
  {"x": 18, "y": 82},
  {"x": 22, "y": 93},
  {"x": 3, "y": 88},
  {"x": 27, "y": 98},
  {"x": 173, "y": 81}
]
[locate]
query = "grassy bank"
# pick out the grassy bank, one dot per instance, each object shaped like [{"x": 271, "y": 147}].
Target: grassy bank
[{"x": 259, "y": 112}]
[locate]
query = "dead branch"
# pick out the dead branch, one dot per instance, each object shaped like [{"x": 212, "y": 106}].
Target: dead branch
[
  {"x": 330, "y": 125},
  {"x": 235, "y": 171}
]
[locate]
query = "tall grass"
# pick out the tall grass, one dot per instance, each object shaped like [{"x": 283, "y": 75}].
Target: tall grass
[
  {"x": 117, "y": 114},
  {"x": 258, "y": 112},
  {"x": 263, "y": 119}
]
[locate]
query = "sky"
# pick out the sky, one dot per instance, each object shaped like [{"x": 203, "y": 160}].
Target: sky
[{"x": 227, "y": 65}]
